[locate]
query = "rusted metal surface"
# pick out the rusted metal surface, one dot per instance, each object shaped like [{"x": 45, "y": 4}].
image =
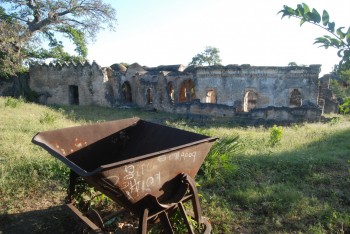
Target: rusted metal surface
[
  {"x": 80, "y": 217},
  {"x": 132, "y": 160}
]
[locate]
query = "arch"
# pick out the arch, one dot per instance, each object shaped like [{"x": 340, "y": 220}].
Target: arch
[
  {"x": 211, "y": 96},
  {"x": 187, "y": 93},
  {"x": 171, "y": 91},
  {"x": 250, "y": 99},
  {"x": 149, "y": 97},
  {"x": 295, "y": 99},
  {"x": 126, "y": 91},
  {"x": 110, "y": 87}
]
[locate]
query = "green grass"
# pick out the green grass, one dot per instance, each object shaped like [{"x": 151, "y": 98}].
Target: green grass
[{"x": 301, "y": 184}]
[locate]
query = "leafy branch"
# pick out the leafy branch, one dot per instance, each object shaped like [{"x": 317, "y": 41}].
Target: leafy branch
[{"x": 339, "y": 38}]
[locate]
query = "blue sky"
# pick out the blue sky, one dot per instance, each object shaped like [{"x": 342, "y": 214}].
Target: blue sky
[{"x": 164, "y": 32}]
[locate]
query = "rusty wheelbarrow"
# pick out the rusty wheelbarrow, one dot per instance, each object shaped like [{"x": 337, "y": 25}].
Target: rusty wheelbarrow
[{"x": 147, "y": 168}]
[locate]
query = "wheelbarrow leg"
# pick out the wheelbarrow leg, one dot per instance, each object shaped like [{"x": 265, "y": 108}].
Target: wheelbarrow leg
[
  {"x": 195, "y": 200},
  {"x": 72, "y": 182},
  {"x": 143, "y": 222},
  {"x": 184, "y": 216},
  {"x": 164, "y": 219}
]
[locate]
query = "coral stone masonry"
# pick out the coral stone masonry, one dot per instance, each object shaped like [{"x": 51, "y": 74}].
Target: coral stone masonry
[{"x": 282, "y": 93}]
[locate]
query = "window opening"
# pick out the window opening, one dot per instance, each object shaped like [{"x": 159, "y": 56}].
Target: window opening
[
  {"x": 295, "y": 98},
  {"x": 187, "y": 93},
  {"x": 250, "y": 99},
  {"x": 211, "y": 96}
]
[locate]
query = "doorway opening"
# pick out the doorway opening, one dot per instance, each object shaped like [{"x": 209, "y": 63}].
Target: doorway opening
[
  {"x": 126, "y": 90},
  {"x": 73, "y": 95}
]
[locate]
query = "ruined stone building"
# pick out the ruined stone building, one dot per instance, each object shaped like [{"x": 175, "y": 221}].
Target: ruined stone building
[
  {"x": 327, "y": 99},
  {"x": 279, "y": 93}
]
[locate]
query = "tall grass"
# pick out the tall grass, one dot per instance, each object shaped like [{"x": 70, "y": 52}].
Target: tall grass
[{"x": 300, "y": 185}]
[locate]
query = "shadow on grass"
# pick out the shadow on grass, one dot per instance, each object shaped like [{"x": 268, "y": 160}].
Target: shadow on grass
[
  {"x": 96, "y": 114},
  {"x": 55, "y": 219},
  {"x": 303, "y": 190}
]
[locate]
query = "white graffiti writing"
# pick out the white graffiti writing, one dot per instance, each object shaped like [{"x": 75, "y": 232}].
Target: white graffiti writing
[
  {"x": 137, "y": 180},
  {"x": 178, "y": 156}
]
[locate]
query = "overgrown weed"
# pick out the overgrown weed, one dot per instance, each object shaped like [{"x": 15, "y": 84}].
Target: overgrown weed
[
  {"x": 13, "y": 102},
  {"x": 275, "y": 135},
  {"x": 47, "y": 118},
  {"x": 219, "y": 159}
]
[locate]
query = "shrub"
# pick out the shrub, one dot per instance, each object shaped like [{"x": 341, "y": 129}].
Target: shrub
[
  {"x": 345, "y": 107},
  {"x": 275, "y": 135},
  {"x": 13, "y": 102},
  {"x": 219, "y": 157}
]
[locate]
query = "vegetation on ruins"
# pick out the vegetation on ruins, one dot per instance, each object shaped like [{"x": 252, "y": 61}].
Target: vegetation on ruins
[
  {"x": 26, "y": 25},
  {"x": 300, "y": 185},
  {"x": 345, "y": 107},
  {"x": 210, "y": 56}
]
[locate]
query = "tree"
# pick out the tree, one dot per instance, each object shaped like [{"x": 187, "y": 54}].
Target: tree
[
  {"x": 292, "y": 64},
  {"x": 45, "y": 20},
  {"x": 339, "y": 38},
  {"x": 210, "y": 56},
  {"x": 9, "y": 44}
]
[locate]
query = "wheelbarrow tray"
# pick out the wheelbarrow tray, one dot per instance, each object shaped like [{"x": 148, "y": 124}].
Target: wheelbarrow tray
[{"x": 130, "y": 158}]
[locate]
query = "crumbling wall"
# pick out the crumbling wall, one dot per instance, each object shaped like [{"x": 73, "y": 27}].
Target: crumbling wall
[
  {"x": 327, "y": 100},
  {"x": 286, "y": 89},
  {"x": 83, "y": 84},
  {"x": 285, "y": 93},
  {"x": 271, "y": 85}
]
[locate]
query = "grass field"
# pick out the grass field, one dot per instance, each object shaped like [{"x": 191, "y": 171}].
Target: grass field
[{"x": 301, "y": 184}]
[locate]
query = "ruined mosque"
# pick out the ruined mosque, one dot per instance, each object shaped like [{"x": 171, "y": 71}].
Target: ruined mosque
[{"x": 292, "y": 93}]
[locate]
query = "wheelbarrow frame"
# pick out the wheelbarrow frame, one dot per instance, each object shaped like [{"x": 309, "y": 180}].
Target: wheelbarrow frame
[{"x": 148, "y": 179}]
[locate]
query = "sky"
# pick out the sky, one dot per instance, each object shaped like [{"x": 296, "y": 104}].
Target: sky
[{"x": 165, "y": 32}]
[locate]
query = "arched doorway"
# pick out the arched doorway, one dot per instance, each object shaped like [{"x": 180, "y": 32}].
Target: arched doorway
[
  {"x": 211, "y": 96},
  {"x": 249, "y": 102},
  {"x": 149, "y": 96},
  {"x": 187, "y": 93},
  {"x": 295, "y": 99},
  {"x": 126, "y": 91},
  {"x": 171, "y": 91}
]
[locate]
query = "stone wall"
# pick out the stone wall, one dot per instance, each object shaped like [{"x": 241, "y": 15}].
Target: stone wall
[
  {"x": 83, "y": 84},
  {"x": 327, "y": 100},
  {"x": 273, "y": 85},
  {"x": 283, "y": 93}
]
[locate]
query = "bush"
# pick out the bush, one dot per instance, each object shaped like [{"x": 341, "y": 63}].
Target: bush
[
  {"x": 275, "y": 135},
  {"x": 345, "y": 107},
  {"x": 219, "y": 158},
  {"x": 13, "y": 102}
]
